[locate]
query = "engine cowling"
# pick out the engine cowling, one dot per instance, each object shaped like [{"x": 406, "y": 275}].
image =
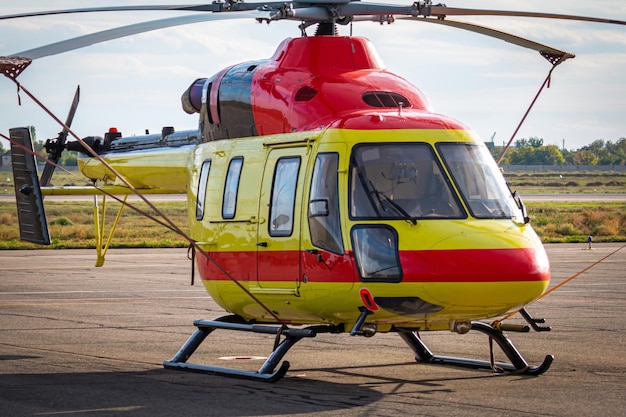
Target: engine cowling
[{"x": 307, "y": 84}]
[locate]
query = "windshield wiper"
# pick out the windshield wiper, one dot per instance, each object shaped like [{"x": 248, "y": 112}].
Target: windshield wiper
[
  {"x": 518, "y": 200},
  {"x": 384, "y": 198}
]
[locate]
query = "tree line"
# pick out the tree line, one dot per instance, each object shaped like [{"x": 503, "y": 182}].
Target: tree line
[{"x": 532, "y": 151}]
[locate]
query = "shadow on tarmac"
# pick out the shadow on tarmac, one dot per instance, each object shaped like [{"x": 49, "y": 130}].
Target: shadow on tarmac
[
  {"x": 169, "y": 393},
  {"x": 163, "y": 392}
]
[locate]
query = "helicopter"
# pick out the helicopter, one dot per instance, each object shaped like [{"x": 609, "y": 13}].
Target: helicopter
[{"x": 324, "y": 194}]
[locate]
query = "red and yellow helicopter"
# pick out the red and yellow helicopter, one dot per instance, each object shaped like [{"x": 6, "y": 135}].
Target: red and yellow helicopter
[{"x": 324, "y": 194}]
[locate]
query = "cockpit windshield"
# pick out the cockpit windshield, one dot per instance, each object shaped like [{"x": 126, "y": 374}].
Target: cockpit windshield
[
  {"x": 479, "y": 180},
  {"x": 400, "y": 181}
]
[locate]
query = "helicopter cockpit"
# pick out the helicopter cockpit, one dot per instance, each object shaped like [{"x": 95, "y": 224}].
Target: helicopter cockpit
[{"x": 407, "y": 181}]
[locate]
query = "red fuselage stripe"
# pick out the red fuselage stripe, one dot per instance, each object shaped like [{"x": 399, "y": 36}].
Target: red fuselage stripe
[{"x": 454, "y": 265}]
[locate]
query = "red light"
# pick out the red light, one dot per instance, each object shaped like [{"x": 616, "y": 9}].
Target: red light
[
  {"x": 113, "y": 130},
  {"x": 368, "y": 299}
]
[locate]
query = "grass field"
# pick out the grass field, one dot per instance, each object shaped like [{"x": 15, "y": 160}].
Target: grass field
[
  {"x": 585, "y": 182},
  {"x": 574, "y": 222},
  {"x": 71, "y": 224}
]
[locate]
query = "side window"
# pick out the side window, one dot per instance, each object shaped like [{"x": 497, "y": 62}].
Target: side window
[
  {"x": 231, "y": 187},
  {"x": 284, "y": 196},
  {"x": 324, "y": 220},
  {"x": 202, "y": 184},
  {"x": 376, "y": 253}
]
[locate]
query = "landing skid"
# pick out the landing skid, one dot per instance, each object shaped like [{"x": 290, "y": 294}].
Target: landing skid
[
  {"x": 267, "y": 371},
  {"x": 518, "y": 363}
]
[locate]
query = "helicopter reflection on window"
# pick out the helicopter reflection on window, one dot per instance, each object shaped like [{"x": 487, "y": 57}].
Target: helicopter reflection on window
[
  {"x": 400, "y": 181},
  {"x": 478, "y": 179}
]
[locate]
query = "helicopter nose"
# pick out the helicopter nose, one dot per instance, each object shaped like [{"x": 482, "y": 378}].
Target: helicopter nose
[
  {"x": 506, "y": 255},
  {"x": 495, "y": 271}
]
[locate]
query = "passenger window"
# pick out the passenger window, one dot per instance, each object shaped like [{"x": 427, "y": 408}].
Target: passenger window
[
  {"x": 284, "y": 196},
  {"x": 231, "y": 188},
  {"x": 324, "y": 220},
  {"x": 202, "y": 185}
]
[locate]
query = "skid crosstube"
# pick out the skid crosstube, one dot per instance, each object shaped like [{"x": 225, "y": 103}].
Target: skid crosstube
[
  {"x": 518, "y": 363},
  {"x": 267, "y": 371}
]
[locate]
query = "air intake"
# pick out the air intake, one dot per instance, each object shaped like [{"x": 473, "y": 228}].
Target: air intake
[{"x": 385, "y": 99}]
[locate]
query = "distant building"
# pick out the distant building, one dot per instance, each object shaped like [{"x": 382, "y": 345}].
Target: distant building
[{"x": 5, "y": 161}]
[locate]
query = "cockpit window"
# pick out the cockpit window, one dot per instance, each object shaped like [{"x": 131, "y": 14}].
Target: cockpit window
[
  {"x": 400, "y": 181},
  {"x": 479, "y": 180},
  {"x": 324, "y": 218}
]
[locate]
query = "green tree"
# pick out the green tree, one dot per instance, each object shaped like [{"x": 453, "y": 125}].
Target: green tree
[
  {"x": 585, "y": 157},
  {"x": 614, "y": 153},
  {"x": 619, "y": 150},
  {"x": 521, "y": 142},
  {"x": 38, "y": 145},
  {"x": 535, "y": 142},
  {"x": 33, "y": 133},
  {"x": 524, "y": 155},
  {"x": 549, "y": 155},
  {"x": 568, "y": 155},
  {"x": 595, "y": 146},
  {"x": 531, "y": 151},
  {"x": 69, "y": 158}
]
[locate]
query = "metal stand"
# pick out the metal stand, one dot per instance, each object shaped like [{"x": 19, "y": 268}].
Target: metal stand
[{"x": 518, "y": 363}]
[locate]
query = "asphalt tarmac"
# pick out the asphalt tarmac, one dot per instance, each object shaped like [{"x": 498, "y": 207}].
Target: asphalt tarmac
[{"x": 82, "y": 341}]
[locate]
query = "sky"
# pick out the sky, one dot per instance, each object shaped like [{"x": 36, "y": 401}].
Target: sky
[{"x": 135, "y": 83}]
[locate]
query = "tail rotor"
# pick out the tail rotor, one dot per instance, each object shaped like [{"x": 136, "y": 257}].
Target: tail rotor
[{"x": 55, "y": 147}]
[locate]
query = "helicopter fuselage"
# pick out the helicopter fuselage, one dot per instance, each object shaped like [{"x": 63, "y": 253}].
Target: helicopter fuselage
[{"x": 324, "y": 184}]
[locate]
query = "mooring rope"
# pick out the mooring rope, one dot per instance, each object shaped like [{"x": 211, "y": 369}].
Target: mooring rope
[
  {"x": 545, "y": 82},
  {"x": 94, "y": 185},
  {"x": 170, "y": 224},
  {"x": 577, "y": 274}
]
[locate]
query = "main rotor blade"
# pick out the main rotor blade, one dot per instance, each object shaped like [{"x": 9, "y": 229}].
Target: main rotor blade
[
  {"x": 108, "y": 9},
  {"x": 551, "y": 54},
  {"x": 120, "y": 32},
  {"x": 442, "y": 11},
  {"x": 350, "y": 6},
  {"x": 48, "y": 170}
]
